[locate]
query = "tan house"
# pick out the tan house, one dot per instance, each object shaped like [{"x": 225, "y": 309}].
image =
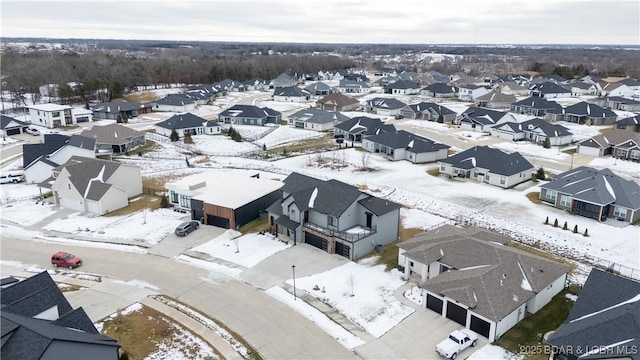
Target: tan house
[{"x": 337, "y": 102}]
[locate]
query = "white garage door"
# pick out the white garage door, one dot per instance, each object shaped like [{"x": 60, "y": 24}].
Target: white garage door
[
  {"x": 71, "y": 204},
  {"x": 589, "y": 150},
  {"x": 93, "y": 207}
]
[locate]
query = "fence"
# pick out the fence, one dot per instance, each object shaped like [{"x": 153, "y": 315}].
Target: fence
[{"x": 610, "y": 266}]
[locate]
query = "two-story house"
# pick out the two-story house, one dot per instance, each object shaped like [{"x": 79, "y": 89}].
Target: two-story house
[{"x": 333, "y": 216}]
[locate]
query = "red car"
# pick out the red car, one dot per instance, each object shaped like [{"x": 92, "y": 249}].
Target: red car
[{"x": 65, "y": 260}]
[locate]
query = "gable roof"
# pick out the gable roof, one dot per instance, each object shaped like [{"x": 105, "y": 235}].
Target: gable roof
[
  {"x": 52, "y": 142},
  {"x": 338, "y": 99},
  {"x": 612, "y": 138},
  {"x": 498, "y": 97},
  {"x": 547, "y": 128},
  {"x": 82, "y": 142},
  {"x": 591, "y": 110},
  {"x": 331, "y": 197},
  {"x": 182, "y": 121},
  {"x": 90, "y": 176},
  {"x": 249, "y": 111},
  {"x": 600, "y": 187},
  {"x": 405, "y": 140},
  {"x": 364, "y": 125},
  {"x": 623, "y": 100},
  {"x": 605, "y": 316},
  {"x": 318, "y": 116},
  {"x": 549, "y": 88},
  {"x": 493, "y": 280},
  {"x": 175, "y": 100},
  {"x": 404, "y": 84},
  {"x": 290, "y": 91},
  {"x": 386, "y": 103},
  {"x": 118, "y": 106},
  {"x": 318, "y": 86},
  {"x": 632, "y": 120},
  {"x": 5, "y": 121},
  {"x": 432, "y": 107},
  {"x": 379, "y": 206},
  {"x": 536, "y": 102},
  {"x": 496, "y": 161},
  {"x": 114, "y": 134},
  {"x": 441, "y": 88},
  {"x": 483, "y": 116},
  {"x": 629, "y": 82},
  {"x": 26, "y": 337},
  {"x": 346, "y": 83}
]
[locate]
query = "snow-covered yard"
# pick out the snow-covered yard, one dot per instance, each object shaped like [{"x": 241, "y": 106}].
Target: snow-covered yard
[{"x": 244, "y": 250}]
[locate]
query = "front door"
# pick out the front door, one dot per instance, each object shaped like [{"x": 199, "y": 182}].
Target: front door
[{"x": 369, "y": 220}]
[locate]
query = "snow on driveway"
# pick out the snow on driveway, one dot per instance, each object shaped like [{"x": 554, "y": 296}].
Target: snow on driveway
[{"x": 245, "y": 250}]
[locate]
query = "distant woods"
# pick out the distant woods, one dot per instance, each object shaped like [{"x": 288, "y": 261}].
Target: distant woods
[{"x": 108, "y": 76}]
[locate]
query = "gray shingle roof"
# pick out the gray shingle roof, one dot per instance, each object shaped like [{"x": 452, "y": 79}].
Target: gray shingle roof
[
  {"x": 493, "y": 280},
  {"x": 175, "y": 100},
  {"x": 82, "y": 173},
  {"x": 497, "y": 97},
  {"x": 114, "y": 134},
  {"x": 549, "y": 88},
  {"x": 318, "y": 116},
  {"x": 436, "y": 108},
  {"x": 6, "y": 120},
  {"x": 547, "y": 128},
  {"x": 82, "y": 142},
  {"x": 536, "y": 102},
  {"x": 290, "y": 91},
  {"x": 318, "y": 86},
  {"x": 379, "y": 206},
  {"x": 248, "y": 111},
  {"x": 591, "y": 110},
  {"x": 496, "y": 161},
  {"x": 402, "y": 139},
  {"x": 338, "y": 99},
  {"x": 52, "y": 142},
  {"x": 600, "y": 187},
  {"x": 364, "y": 125},
  {"x": 182, "y": 121},
  {"x": 386, "y": 103},
  {"x": 632, "y": 120},
  {"x": 404, "y": 84},
  {"x": 332, "y": 197},
  {"x": 441, "y": 88},
  {"x": 599, "y": 318},
  {"x": 118, "y": 106}
]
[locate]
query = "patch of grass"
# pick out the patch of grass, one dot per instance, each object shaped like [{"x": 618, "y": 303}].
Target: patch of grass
[
  {"x": 157, "y": 182},
  {"x": 389, "y": 256},
  {"x": 434, "y": 172},
  {"x": 143, "y": 97},
  {"x": 531, "y": 329},
  {"x": 66, "y": 287},
  {"x": 142, "y": 201},
  {"x": 255, "y": 226},
  {"x": 252, "y": 352},
  {"x": 534, "y": 197},
  {"x": 142, "y": 149},
  {"x": 570, "y": 151},
  {"x": 141, "y": 332},
  {"x": 301, "y": 146}
]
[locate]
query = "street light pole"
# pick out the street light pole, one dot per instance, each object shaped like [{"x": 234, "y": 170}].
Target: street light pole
[{"x": 293, "y": 270}]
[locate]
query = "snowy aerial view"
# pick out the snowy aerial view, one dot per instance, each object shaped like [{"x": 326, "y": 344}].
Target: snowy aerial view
[{"x": 236, "y": 187}]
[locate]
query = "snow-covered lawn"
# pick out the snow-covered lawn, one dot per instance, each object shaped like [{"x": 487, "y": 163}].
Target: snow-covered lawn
[
  {"x": 363, "y": 294},
  {"x": 531, "y": 150},
  {"x": 244, "y": 250},
  {"x": 347, "y": 339},
  {"x": 22, "y": 211},
  {"x": 283, "y": 106},
  {"x": 415, "y": 218},
  {"x": 221, "y": 145},
  {"x": 148, "y": 227},
  {"x": 286, "y": 135}
]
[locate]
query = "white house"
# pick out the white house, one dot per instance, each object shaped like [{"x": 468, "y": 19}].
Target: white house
[
  {"x": 467, "y": 275},
  {"x": 51, "y": 115},
  {"x": 290, "y": 94},
  {"x": 95, "y": 186},
  {"x": 175, "y": 103},
  {"x": 187, "y": 123},
  {"x": 42, "y": 167}
]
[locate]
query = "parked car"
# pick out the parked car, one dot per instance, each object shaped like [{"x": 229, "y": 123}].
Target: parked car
[
  {"x": 64, "y": 259},
  {"x": 12, "y": 177},
  {"x": 456, "y": 342},
  {"x": 187, "y": 227},
  {"x": 338, "y": 136},
  {"x": 32, "y": 131}
]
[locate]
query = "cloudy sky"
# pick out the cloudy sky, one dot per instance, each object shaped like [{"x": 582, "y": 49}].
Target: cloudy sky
[{"x": 331, "y": 21}]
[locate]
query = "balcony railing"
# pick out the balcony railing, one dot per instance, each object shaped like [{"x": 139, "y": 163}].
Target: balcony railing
[{"x": 351, "y": 235}]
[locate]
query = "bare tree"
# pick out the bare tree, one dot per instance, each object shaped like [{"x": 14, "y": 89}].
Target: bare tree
[
  {"x": 351, "y": 283},
  {"x": 365, "y": 158}
]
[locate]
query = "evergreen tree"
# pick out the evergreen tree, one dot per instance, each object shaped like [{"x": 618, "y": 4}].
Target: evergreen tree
[
  {"x": 540, "y": 174},
  {"x": 174, "y": 136},
  {"x": 164, "y": 202},
  {"x": 546, "y": 144},
  {"x": 440, "y": 118}
]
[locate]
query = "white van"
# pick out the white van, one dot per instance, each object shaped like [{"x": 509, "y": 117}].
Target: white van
[{"x": 14, "y": 177}]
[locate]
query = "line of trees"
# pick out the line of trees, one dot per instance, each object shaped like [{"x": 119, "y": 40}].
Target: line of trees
[{"x": 104, "y": 76}]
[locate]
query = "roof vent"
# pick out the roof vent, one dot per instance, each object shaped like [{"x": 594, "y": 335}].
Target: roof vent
[{"x": 504, "y": 276}]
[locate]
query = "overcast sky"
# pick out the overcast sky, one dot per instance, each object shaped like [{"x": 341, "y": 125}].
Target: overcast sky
[{"x": 331, "y": 21}]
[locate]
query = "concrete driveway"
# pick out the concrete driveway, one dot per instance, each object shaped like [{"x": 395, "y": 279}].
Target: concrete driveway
[{"x": 173, "y": 245}]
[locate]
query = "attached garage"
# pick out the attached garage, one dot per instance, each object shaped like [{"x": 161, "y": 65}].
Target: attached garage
[
  {"x": 14, "y": 131},
  {"x": 480, "y": 326},
  {"x": 218, "y": 221},
  {"x": 68, "y": 203},
  {"x": 343, "y": 250},
  {"x": 434, "y": 303},
  {"x": 457, "y": 313},
  {"x": 317, "y": 241}
]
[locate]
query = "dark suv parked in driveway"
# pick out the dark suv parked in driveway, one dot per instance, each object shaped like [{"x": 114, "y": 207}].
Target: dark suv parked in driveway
[{"x": 186, "y": 227}]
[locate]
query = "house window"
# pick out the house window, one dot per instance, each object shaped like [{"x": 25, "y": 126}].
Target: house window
[
  {"x": 565, "y": 201},
  {"x": 185, "y": 201},
  {"x": 332, "y": 221},
  {"x": 292, "y": 214},
  {"x": 487, "y": 177},
  {"x": 550, "y": 195},
  {"x": 442, "y": 167},
  {"x": 619, "y": 212},
  {"x": 55, "y": 114},
  {"x": 503, "y": 180},
  {"x": 621, "y": 153},
  {"x": 475, "y": 172},
  {"x": 174, "y": 197},
  {"x": 635, "y": 154},
  {"x": 411, "y": 263}
]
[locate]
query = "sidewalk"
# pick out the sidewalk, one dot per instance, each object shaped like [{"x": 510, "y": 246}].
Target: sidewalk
[{"x": 194, "y": 326}]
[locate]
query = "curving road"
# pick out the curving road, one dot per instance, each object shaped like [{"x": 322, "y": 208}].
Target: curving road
[{"x": 273, "y": 329}]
